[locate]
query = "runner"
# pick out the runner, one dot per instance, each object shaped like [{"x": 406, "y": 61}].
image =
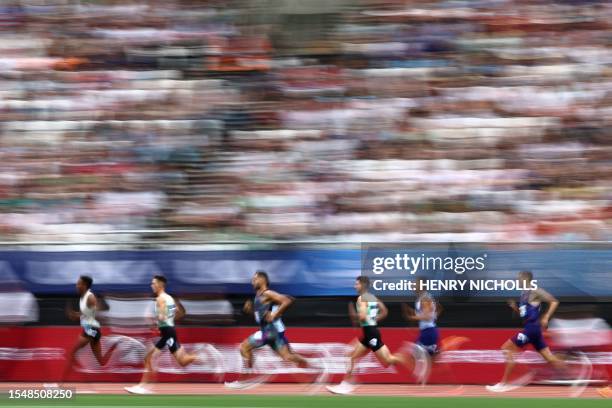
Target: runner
[
  {"x": 91, "y": 334},
  {"x": 529, "y": 308},
  {"x": 268, "y": 307},
  {"x": 165, "y": 313},
  {"x": 368, "y": 312}
]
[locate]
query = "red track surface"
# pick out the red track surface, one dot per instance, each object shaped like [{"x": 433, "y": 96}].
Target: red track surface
[{"x": 297, "y": 389}]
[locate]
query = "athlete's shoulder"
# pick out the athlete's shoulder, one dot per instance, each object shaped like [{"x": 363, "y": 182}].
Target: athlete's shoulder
[
  {"x": 542, "y": 294},
  {"x": 267, "y": 293},
  {"x": 425, "y": 296},
  {"x": 368, "y": 297}
]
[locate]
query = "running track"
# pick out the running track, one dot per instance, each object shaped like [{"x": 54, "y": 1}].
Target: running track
[{"x": 297, "y": 389}]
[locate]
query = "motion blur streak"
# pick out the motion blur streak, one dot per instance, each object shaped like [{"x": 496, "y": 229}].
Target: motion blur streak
[{"x": 351, "y": 120}]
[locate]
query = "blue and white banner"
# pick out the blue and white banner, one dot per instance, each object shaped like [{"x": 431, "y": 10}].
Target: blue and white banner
[{"x": 563, "y": 271}]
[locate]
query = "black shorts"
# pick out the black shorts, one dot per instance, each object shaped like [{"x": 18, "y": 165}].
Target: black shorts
[
  {"x": 92, "y": 333},
  {"x": 371, "y": 338},
  {"x": 168, "y": 338}
]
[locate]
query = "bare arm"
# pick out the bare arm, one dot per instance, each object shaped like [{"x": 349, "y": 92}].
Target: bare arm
[
  {"x": 362, "y": 310},
  {"x": 101, "y": 304},
  {"x": 513, "y": 306},
  {"x": 180, "y": 310},
  {"x": 161, "y": 309},
  {"x": 248, "y": 307},
  {"x": 408, "y": 312},
  {"x": 426, "y": 312},
  {"x": 279, "y": 299},
  {"x": 383, "y": 312},
  {"x": 439, "y": 309},
  {"x": 553, "y": 304},
  {"x": 353, "y": 314},
  {"x": 71, "y": 314}
]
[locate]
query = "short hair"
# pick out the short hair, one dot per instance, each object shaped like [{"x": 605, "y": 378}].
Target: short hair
[
  {"x": 87, "y": 280},
  {"x": 263, "y": 274},
  {"x": 364, "y": 280},
  {"x": 161, "y": 278},
  {"x": 527, "y": 274}
]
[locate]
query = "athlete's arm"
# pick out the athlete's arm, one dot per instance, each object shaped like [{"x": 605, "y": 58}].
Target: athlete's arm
[
  {"x": 353, "y": 314},
  {"x": 426, "y": 312},
  {"x": 408, "y": 312},
  {"x": 101, "y": 304},
  {"x": 161, "y": 309},
  {"x": 180, "y": 310},
  {"x": 248, "y": 307},
  {"x": 553, "y": 304},
  {"x": 72, "y": 315},
  {"x": 362, "y": 310},
  {"x": 513, "y": 306},
  {"x": 279, "y": 299},
  {"x": 383, "y": 312},
  {"x": 439, "y": 309}
]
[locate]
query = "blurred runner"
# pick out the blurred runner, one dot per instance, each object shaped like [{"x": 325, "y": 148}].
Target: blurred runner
[
  {"x": 268, "y": 307},
  {"x": 368, "y": 312},
  {"x": 165, "y": 314},
  {"x": 529, "y": 309},
  {"x": 91, "y": 334},
  {"x": 428, "y": 345}
]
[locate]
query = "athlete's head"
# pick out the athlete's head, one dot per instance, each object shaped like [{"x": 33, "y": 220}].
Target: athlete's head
[
  {"x": 525, "y": 277},
  {"x": 362, "y": 284},
  {"x": 158, "y": 284},
  {"x": 83, "y": 284},
  {"x": 260, "y": 280}
]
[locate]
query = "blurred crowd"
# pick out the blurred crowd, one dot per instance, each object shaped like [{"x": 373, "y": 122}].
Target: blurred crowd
[{"x": 346, "y": 120}]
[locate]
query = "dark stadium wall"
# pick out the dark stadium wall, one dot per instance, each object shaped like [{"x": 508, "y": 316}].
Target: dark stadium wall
[{"x": 331, "y": 311}]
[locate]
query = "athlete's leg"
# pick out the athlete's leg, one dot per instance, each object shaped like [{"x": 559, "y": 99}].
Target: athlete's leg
[
  {"x": 288, "y": 355},
  {"x": 96, "y": 348},
  {"x": 509, "y": 349},
  {"x": 387, "y": 359},
  {"x": 551, "y": 358},
  {"x": 358, "y": 352},
  {"x": 347, "y": 386},
  {"x": 149, "y": 372},
  {"x": 254, "y": 341},
  {"x": 81, "y": 342},
  {"x": 248, "y": 377},
  {"x": 246, "y": 351},
  {"x": 167, "y": 339},
  {"x": 419, "y": 358},
  {"x": 452, "y": 343},
  {"x": 183, "y": 358},
  {"x": 447, "y": 344}
]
